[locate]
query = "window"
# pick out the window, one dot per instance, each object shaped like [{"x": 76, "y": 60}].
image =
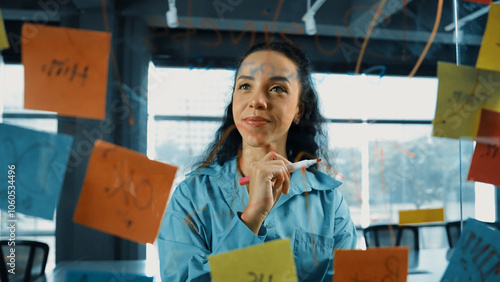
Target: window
[
  {"x": 183, "y": 115},
  {"x": 380, "y": 138},
  {"x": 13, "y": 113}
]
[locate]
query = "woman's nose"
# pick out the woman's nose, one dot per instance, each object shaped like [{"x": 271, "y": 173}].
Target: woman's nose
[{"x": 259, "y": 100}]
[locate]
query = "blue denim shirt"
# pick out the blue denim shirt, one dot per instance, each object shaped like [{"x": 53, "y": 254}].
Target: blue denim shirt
[{"x": 202, "y": 219}]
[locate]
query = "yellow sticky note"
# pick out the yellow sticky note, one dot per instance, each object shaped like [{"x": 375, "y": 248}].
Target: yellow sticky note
[
  {"x": 490, "y": 47},
  {"x": 462, "y": 92},
  {"x": 272, "y": 261},
  {"x": 421, "y": 216},
  {"x": 4, "y": 43},
  {"x": 373, "y": 264}
]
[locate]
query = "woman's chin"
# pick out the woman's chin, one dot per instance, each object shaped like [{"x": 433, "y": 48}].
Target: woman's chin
[{"x": 253, "y": 143}]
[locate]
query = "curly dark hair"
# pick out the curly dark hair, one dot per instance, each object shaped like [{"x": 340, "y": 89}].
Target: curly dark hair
[{"x": 307, "y": 139}]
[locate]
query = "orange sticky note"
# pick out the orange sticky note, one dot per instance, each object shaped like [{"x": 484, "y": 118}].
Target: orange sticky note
[
  {"x": 65, "y": 70},
  {"x": 421, "y": 216},
  {"x": 490, "y": 47},
  {"x": 4, "y": 43},
  {"x": 485, "y": 164},
  {"x": 374, "y": 264},
  {"x": 489, "y": 128},
  {"x": 271, "y": 261},
  {"x": 124, "y": 193}
]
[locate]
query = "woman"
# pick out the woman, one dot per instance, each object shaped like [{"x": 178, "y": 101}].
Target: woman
[{"x": 273, "y": 119}]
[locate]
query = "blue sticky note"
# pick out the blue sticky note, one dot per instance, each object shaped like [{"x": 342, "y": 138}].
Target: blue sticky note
[
  {"x": 32, "y": 169},
  {"x": 477, "y": 255},
  {"x": 73, "y": 275}
]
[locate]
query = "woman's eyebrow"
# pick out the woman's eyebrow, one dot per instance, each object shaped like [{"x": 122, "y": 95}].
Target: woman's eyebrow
[
  {"x": 245, "y": 77},
  {"x": 273, "y": 78},
  {"x": 279, "y": 78}
]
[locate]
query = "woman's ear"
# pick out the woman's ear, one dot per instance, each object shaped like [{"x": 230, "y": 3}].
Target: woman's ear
[{"x": 300, "y": 112}]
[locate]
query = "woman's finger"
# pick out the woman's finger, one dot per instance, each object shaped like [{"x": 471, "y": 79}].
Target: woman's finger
[
  {"x": 280, "y": 178},
  {"x": 286, "y": 184},
  {"x": 275, "y": 156}
]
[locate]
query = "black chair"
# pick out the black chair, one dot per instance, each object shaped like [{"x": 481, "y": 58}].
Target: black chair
[
  {"x": 453, "y": 231},
  {"x": 392, "y": 235},
  {"x": 30, "y": 260},
  {"x": 395, "y": 235}
]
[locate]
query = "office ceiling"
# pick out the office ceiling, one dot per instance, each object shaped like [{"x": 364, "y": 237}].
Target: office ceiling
[{"x": 209, "y": 31}]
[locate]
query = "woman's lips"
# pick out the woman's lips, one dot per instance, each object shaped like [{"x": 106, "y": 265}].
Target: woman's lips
[{"x": 256, "y": 121}]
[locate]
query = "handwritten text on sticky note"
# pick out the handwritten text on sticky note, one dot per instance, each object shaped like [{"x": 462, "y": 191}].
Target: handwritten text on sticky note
[
  {"x": 272, "y": 261},
  {"x": 486, "y": 158},
  {"x": 124, "y": 193},
  {"x": 477, "y": 255},
  {"x": 485, "y": 164},
  {"x": 373, "y": 264},
  {"x": 66, "y": 70},
  {"x": 462, "y": 92}
]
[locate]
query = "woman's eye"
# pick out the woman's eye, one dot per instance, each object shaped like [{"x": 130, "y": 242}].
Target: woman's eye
[
  {"x": 278, "y": 89},
  {"x": 244, "y": 86}
]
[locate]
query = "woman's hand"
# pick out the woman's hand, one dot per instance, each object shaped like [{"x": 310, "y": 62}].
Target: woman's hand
[{"x": 268, "y": 179}]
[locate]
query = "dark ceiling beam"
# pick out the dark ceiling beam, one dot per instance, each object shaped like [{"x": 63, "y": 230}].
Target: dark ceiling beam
[
  {"x": 30, "y": 15},
  {"x": 92, "y": 4},
  {"x": 363, "y": 17},
  {"x": 153, "y": 12},
  {"x": 323, "y": 30}
]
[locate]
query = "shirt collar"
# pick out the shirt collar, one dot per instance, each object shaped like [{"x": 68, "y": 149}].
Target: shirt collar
[{"x": 227, "y": 175}]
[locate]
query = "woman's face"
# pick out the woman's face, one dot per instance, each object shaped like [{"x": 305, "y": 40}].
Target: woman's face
[{"x": 266, "y": 99}]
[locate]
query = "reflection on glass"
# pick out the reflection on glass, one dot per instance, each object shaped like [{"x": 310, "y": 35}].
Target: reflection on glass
[
  {"x": 373, "y": 97},
  {"x": 416, "y": 171},
  {"x": 172, "y": 91},
  {"x": 13, "y": 92},
  {"x": 28, "y": 227},
  {"x": 384, "y": 167},
  {"x": 181, "y": 143}
]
